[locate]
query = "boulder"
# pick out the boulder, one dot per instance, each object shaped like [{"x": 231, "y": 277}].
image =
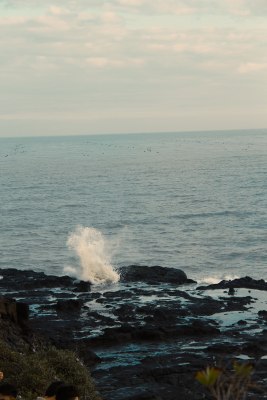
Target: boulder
[
  {"x": 67, "y": 306},
  {"x": 15, "y": 311},
  {"x": 263, "y": 314},
  {"x": 246, "y": 283},
  {"x": 153, "y": 275}
]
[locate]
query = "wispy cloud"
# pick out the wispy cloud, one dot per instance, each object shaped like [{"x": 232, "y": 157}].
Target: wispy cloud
[
  {"x": 235, "y": 7},
  {"x": 252, "y": 67},
  {"x": 132, "y": 55}
]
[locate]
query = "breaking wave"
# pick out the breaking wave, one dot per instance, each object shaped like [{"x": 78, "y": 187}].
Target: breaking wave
[
  {"x": 94, "y": 253},
  {"x": 211, "y": 280}
]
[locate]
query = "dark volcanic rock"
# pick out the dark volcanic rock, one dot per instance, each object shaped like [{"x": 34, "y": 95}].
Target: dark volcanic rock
[
  {"x": 206, "y": 306},
  {"x": 246, "y": 283},
  {"x": 15, "y": 311},
  {"x": 82, "y": 348},
  {"x": 25, "y": 280},
  {"x": 200, "y": 328},
  {"x": 241, "y": 322},
  {"x": 146, "y": 338},
  {"x": 263, "y": 314},
  {"x": 82, "y": 286},
  {"x": 222, "y": 348},
  {"x": 154, "y": 275},
  {"x": 15, "y": 327},
  {"x": 69, "y": 305}
]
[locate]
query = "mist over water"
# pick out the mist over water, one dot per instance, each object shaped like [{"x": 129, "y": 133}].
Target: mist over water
[{"x": 92, "y": 250}]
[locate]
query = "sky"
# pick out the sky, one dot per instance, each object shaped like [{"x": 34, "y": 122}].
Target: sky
[{"x": 118, "y": 66}]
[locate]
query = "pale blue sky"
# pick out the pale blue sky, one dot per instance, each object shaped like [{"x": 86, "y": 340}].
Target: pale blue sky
[{"x": 95, "y": 66}]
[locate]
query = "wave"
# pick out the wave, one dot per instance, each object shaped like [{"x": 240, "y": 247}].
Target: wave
[
  {"x": 94, "y": 253},
  {"x": 225, "y": 213},
  {"x": 211, "y": 280}
]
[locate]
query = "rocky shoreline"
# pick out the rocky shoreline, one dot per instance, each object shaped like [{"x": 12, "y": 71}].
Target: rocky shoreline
[{"x": 145, "y": 337}]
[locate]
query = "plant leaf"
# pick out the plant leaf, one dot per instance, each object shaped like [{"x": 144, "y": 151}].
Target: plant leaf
[{"x": 208, "y": 376}]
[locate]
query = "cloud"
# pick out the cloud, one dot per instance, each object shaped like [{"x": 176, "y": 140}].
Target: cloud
[
  {"x": 247, "y": 7},
  {"x": 61, "y": 40},
  {"x": 252, "y": 67},
  {"x": 136, "y": 57},
  {"x": 102, "y": 37},
  {"x": 103, "y": 62},
  {"x": 240, "y": 8}
]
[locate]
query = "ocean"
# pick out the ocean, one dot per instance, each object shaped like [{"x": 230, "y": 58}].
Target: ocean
[{"x": 86, "y": 205}]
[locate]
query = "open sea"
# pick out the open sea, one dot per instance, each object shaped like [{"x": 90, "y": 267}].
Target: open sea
[{"x": 85, "y": 205}]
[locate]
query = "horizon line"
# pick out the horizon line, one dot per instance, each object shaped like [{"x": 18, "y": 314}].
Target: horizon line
[{"x": 134, "y": 133}]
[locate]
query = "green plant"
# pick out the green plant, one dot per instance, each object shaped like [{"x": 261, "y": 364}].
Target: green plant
[
  {"x": 32, "y": 372},
  {"x": 227, "y": 384}
]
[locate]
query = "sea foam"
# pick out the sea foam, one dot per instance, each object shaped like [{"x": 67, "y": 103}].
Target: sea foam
[
  {"x": 211, "y": 280},
  {"x": 94, "y": 252}
]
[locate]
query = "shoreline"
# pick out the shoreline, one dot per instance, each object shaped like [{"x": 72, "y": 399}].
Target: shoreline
[{"x": 148, "y": 336}]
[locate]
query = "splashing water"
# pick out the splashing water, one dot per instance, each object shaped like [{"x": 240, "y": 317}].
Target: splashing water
[
  {"x": 93, "y": 252},
  {"x": 216, "y": 279}
]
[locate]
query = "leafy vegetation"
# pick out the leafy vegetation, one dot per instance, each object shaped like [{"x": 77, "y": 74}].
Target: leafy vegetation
[
  {"x": 227, "y": 384},
  {"x": 32, "y": 372}
]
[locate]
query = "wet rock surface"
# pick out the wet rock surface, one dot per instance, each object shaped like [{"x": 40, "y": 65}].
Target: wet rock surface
[
  {"x": 146, "y": 337},
  {"x": 153, "y": 275},
  {"x": 245, "y": 282}
]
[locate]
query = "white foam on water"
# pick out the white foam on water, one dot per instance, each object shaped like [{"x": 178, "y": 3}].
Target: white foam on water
[
  {"x": 94, "y": 252},
  {"x": 211, "y": 280}
]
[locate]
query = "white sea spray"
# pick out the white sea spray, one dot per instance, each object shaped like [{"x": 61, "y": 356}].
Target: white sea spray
[
  {"x": 211, "y": 280},
  {"x": 94, "y": 252}
]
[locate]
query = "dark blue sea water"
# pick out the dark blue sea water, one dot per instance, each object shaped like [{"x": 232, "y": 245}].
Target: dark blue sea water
[{"x": 195, "y": 201}]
